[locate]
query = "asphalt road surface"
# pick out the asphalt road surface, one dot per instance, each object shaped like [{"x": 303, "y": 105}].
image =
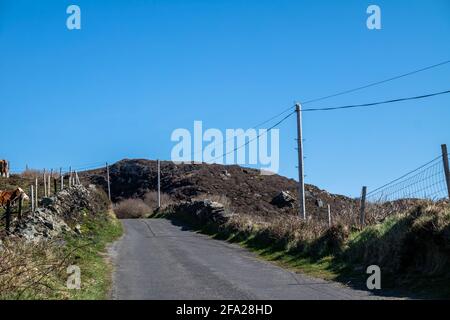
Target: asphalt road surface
[{"x": 158, "y": 260}]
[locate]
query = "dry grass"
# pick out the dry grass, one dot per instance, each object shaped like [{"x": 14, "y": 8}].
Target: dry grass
[
  {"x": 31, "y": 270},
  {"x": 132, "y": 209},
  {"x": 151, "y": 200}
]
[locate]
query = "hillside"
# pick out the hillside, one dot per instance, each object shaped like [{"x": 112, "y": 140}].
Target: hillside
[{"x": 248, "y": 191}]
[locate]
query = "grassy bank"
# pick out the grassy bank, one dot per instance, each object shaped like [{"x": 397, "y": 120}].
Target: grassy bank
[
  {"x": 411, "y": 248},
  {"x": 39, "y": 270}
]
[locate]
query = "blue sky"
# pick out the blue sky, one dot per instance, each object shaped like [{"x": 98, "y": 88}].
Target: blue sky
[{"x": 137, "y": 70}]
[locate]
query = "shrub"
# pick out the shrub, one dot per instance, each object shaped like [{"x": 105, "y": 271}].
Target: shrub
[
  {"x": 132, "y": 209},
  {"x": 151, "y": 200}
]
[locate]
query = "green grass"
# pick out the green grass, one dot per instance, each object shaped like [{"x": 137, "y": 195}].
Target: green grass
[{"x": 90, "y": 255}]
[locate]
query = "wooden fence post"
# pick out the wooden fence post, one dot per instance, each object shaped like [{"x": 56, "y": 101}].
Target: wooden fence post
[
  {"x": 362, "y": 213},
  {"x": 329, "y": 216},
  {"x": 55, "y": 186},
  {"x": 70, "y": 177},
  {"x": 45, "y": 184},
  {"x": 8, "y": 216},
  {"x": 19, "y": 214},
  {"x": 49, "y": 186},
  {"x": 36, "y": 201},
  {"x": 32, "y": 198},
  {"x": 108, "y": 181},
  {"x": 62, "y": 178}
]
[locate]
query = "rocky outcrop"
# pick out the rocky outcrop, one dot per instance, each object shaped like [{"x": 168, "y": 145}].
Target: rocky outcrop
[{"x": 203, "y": 211}]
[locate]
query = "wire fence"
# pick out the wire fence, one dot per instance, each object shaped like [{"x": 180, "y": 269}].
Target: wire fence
[{"x": 426, "y": 182}]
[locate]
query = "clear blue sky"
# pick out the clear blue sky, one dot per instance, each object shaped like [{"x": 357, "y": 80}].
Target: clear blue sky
[{"x": 137, "y": 70}]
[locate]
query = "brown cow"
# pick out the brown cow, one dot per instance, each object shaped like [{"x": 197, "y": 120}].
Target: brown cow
[
  {"x": 12, "y": 196},
  {"x": 4, "y": 168}
]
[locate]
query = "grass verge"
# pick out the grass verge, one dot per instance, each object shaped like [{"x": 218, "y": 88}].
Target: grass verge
[{"x": 38, "y": 271}]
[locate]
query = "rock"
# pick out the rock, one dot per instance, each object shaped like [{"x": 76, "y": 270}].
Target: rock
[
  {"x": 283, "y": 199},
  {"x": 319, "y": 203},
  {"x": 204, "y": 211},
  {"x": 77, "y": 229},
  {"x": 226, "y": 173}
]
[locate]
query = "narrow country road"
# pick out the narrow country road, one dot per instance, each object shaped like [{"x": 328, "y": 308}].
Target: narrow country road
[{"x": 158, "y": 260}]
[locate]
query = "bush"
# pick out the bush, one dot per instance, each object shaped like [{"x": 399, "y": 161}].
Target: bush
[
  {"x": 151, "y": 200},
  {"x": 132, "y": 209}
]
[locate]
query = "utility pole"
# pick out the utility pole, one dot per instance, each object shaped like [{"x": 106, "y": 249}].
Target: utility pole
[
  {"x": 301, "y": 182},
  {"x": 109, "y": 183},
  {"x": 159, "y": 184},
  {"x": 446, "y": 167}
]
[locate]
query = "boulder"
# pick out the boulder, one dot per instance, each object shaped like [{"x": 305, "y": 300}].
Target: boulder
[
  {"x": 204, "y": 211},
  {"x": 283, "y": 199}
]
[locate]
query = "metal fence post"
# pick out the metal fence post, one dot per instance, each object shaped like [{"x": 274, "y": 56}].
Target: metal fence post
[{"x": 446, "y": 167}]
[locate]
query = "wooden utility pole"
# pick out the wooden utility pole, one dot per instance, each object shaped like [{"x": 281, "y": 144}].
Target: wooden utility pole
[
  {"x": 301, "y": 182},
  {"x": 109, "y": 182},
  {"x": 159, "y": 184},
  {"x": 446, "y": 167},
  {"x": 362, "y": 213}
]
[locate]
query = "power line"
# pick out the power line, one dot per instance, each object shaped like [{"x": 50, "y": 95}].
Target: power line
[
  {"x": 378, "y": 103},
  {"x": 339, "y": 94},
  {"x": 377, "y": 83},
  {"x": 255, "y": 138},
  {"x": 359, "y": 88}
]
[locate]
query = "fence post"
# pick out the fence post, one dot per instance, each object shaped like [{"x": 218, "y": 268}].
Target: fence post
[
  {"x": 50, "y": 178},
  {"x": 159, "y": 184},
  {"x": 8, "y": 216},
  {"x": 446, "y": 167},
  {"x": 32, "y": 198},
  {"x": 362, "y": 213},
  {"x": 55, "y": 185},
  {"x": 37, "y": 194},
  {"x": 19, "y": 214},
  {"x": 45, "y": 184},
  {"x": 109, "y": 182},
  {"x": 329, "y": 216},
  {"x": 62, "y": 178}
]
